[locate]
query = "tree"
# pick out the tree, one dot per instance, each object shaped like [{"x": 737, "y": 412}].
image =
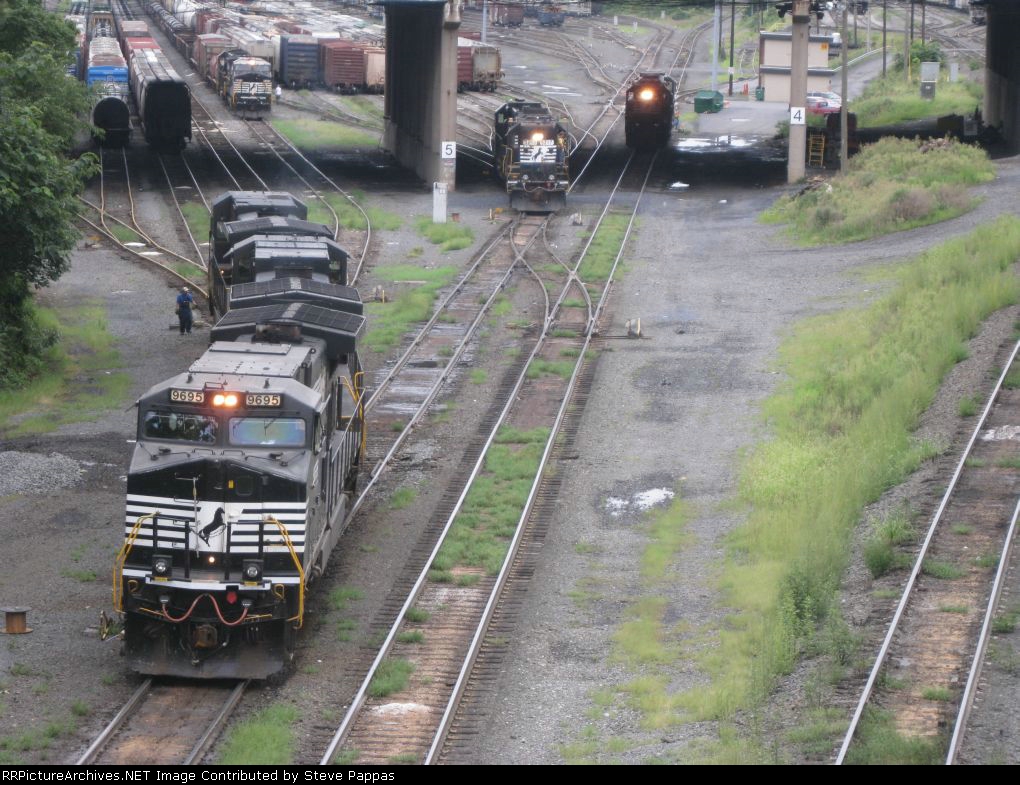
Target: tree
[{"x": 41, "y": 109}]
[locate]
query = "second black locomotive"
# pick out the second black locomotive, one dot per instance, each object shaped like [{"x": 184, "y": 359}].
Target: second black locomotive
[
  {"x": 648, "y": 117},
  {"x": 531, "y": 156}
]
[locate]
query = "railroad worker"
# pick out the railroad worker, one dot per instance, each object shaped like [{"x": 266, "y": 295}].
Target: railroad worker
[
  {"x": 185, "y": 302},
  {"x": 279, "y": 93}
]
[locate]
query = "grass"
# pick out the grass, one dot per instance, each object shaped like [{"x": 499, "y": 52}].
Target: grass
[
  {"x": 942, "y": 570},
  {"x": 840, "y": 434},
  {"x": 448, "y": 236},
  {"x": 125, "y": 234},
  {"x": 403, "y": 497},
  {"x": 879, "y": 743},
  {"x": 880, "y": 555},
  {"x": 540, "y": 368},
  {"x": 818, "y": 732},
  {"x": 1008, "y": 463},
  {"x": 82, "y": 377},
  {"x": 391, "y": 676},
  {"x": 323, "y": 135},
  {"x": 962, "y": 529},
  {"x": 894, "y": 100},
  {"x": 265, "y": 739},
  {"x": 346, "y": 757},
  {"x": 961, "y": 609},
  {"x": 478, "y": 376},
  {"x": 82, "y": 576},
  {"x": 602, "y": 253},
  {"x": 349, "y": 214},
  {"x": 198, "y": 220},
  {"x": 342, "y": 595},
  {"x": 388, "y": 322},
  {"x": 1006, "y": 621},
  {"x": 481, "y": 532},
  {"x": 936, "y": 694},
  {"x": 890, "y": 186},
  {"x": 417, "y": 615},
  {"x": 411, "y": 636},
  {"x": 968, "y": 407}
]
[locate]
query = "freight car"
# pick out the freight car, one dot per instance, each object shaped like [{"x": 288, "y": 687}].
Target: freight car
[
  {"x": 978, "y": 14},
  {"x": 106, "y": 73},
  {"x": 244, "y": 464},
  {"x": 648, "y": 113},
  {"x": 163, "y": 98},
  {"x": 530, "y": 154},
  {"x": 550, "y": 16},
  {"x": 351, "y": 67},
  {"x": 507, "y": 14},
  {"x": 479, "y": 66}
]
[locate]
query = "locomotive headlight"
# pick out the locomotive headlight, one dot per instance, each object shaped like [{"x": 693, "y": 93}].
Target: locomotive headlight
[
  {"x": 251, "y": 570},
  {"x": 538, "y": 136},
  {"x": 647, "y": 94},
  {"x": 161, "y": 565},
  {"x": 228, "y": 400}
]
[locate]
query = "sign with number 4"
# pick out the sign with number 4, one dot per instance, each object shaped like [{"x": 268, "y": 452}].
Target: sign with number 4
[{"x": 796, "y": 115}]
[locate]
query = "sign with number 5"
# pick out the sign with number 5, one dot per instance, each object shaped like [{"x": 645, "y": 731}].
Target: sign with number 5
[{"x": 449, "y": 150}]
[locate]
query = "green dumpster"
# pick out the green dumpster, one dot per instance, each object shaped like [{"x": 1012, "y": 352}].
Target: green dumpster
[
  {"x": 759, "y": 93},
  {"x": 708, "y": 101}
]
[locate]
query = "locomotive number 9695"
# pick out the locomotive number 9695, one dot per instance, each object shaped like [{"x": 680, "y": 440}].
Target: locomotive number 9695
[
  {"x": 187, "y": 396},
  {"x": 261, "y": 399}
]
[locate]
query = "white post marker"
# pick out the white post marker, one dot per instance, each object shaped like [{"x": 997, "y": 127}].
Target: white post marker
[
  {"x": 448, "y": 150},
  {"x": 438, "y": 203},
  {"x": 797, "y": 115}
]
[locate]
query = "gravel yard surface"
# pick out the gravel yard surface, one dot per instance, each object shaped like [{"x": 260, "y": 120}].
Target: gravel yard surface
[{"x": 716, "y": 293}]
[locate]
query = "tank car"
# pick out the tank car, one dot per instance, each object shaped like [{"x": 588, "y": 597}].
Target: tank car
[
  {"x": 648, "y": 113},
  {"x": 531, "y": 156},
  {"x": 244, "y": 464},
  {"x": 163, "y": 98}
]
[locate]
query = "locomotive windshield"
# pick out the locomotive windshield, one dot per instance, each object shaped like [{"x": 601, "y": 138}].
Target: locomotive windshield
[
  {"x": 179, "y": 427},
  {"x": 267, "y": 432}
]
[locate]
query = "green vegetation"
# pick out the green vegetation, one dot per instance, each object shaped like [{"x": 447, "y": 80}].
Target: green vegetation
[
  {"x": 478, "y": 376},
  {"x": 943, "y": 570},
  {"x": 39, "y": 185},
  {"x": 895, "y": 100},
  {"x": 936, "y": 694},
  {"x": 482, "y": 530},
  {"x": 323, "y": 134},
  {"x": 879, "y": 743},
  {"x": 968, "y": 407},
  {"x": 1006, "y": 621},
  {"x": 818, "y": 732},
  {"x": 602, "y": 253},
  {"x": 448, "y": 236},
  {"x": 37, "y": 739},
  {"x": 880, "y": 555},
  {"x": 841, "y": 433},
  {"x": 391, "y": 676},
  {"x": 198, "y": 220},
  {"x": 82, "y": 576},
  {"x": 411, "y": 636},
  {"x": 342, "y": 595},
  {"x": 540, "y": 367},
  {"x": 962, "y": 528},
  {"x": 349, "y": 214},
  {"x": 265, "y": 739},
  {"x": 892, "y": 185},
  {"x": 125, "y": 234},
  {"x": 81, "y": 378},
  {"x": 417, "y": 615},
  {"x": 1008, "y": 463},
  {"x": 962, "y": 609},
  {"x": 402, "y": 497},
  {"x": 389, "y": 321}
]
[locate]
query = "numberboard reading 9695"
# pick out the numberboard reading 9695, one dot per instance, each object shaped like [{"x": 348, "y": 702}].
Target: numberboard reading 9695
[{"x": 250, "y": 399}]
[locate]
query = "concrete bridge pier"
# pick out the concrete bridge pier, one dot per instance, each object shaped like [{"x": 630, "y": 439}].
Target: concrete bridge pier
[
  {"x": 421, "y": 85},
  {"x": 1002, "y": 71}
]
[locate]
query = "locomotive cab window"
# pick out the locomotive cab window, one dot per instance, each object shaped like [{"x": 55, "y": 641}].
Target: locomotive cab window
[
  {"x": 179, "y": 427},
  {"x": 267, "y": 432}
]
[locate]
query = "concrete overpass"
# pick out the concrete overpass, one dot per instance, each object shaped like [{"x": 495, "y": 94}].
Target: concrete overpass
[
  {"x": 1002, "y": 70},
  {"x": 421, "y": 85}
]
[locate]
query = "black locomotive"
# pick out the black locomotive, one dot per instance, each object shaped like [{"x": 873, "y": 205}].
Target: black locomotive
[
  {"x": 531, "y": 156},
  {"x": 245, "y": 463},
  {"x": 648, "y": 114}
]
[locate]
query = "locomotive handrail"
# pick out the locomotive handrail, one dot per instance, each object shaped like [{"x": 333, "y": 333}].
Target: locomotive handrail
[
  {"x": 300, "y": 618},
  {"x": 122, "y": 554}
]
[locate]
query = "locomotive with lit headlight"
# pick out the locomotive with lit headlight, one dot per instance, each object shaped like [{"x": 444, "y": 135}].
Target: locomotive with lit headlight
[
  {"x": 244, "y": 465},
  {"x": 648, "y": 113},
  {"x": 531, "y": 156}
]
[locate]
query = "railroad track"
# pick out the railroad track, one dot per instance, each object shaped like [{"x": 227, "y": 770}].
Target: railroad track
[
  {"x": 941, "y": 625},
  {"x": 140, "y": 731}
]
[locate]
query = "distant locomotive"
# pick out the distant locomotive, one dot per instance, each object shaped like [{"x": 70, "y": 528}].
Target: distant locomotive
[
  {"x": 244, "y": 83},
  {"x": 531, "y": 156},
  {"x": 648, "y": 114},
  {"x": 244, "y": 464}
]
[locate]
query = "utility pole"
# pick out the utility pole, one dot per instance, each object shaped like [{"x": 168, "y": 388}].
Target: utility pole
[
  {"x": 733, "y": 17},
  {"x": 796, "y": 164},
  {"x": 843, "y": 123},
  {"x": 924, "y": 8},
  {"x": 716, "y": 24},
  {"x": 485, "y": 19},
  {"x": 885, "y": 22}
]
